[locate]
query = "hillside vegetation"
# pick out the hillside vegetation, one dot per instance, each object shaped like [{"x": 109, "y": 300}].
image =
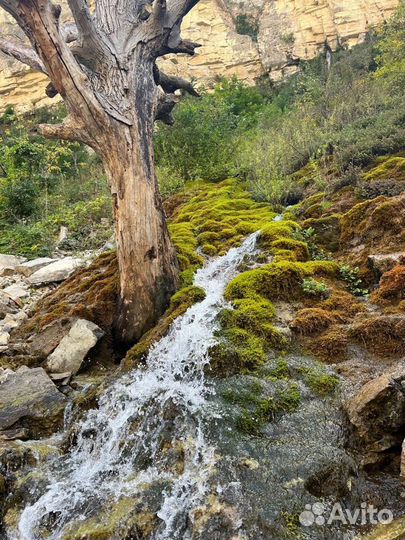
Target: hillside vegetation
[{"x": 314, "y": 132}]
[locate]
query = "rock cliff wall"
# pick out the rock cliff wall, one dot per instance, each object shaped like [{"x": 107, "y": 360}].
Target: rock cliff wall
[{"x": 282, "y": 32}]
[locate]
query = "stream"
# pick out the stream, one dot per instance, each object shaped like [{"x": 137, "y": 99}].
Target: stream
[{"x": 163, "y": 405}]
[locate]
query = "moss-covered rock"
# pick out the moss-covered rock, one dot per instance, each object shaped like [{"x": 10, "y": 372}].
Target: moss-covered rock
[{"x": 392, "y": 168}]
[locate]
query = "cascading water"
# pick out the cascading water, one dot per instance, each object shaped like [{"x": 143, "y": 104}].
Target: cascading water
[{"x": 121, "y": 445}]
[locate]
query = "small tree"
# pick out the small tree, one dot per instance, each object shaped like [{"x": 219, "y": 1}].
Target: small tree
[{"x": 104, "y": 67}]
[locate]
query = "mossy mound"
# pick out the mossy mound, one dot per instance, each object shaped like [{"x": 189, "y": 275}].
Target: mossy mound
[
  {"x": 298, "y": 249},
  {"x": 312, "y": 320},
  {"x": 382, "y": 335},
  {"x": 327, "y": 230},
  {"x": 90, "y": 293},
  {"x": 278, "y": 281},
  {"x": 392, "y": 286},
  {"x": 391, "y": 168},
  {"x": 378, "y": 222},
  {"x": 331, "y": 346},
  {"x": 215, "y": 219}
]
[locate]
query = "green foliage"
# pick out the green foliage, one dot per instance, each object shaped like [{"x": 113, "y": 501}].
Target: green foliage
[
  {"x": 353, "y": 281},
  {"x": 316, "y": 288},
  {"x": 45, "y": 184},
  {"x": 246, "y": 25},
  {"x": 391, "y": 51},
  {"x": 201, "y": 143}
]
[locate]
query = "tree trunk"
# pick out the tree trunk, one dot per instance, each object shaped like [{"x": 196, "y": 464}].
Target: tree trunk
[{"x": 147, "y": 261}]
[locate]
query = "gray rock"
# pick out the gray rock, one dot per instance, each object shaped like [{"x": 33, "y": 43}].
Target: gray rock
[
  {"x": 4, "y": 337},
  {"x": 16, "y": 291},
  {"x": 385, "y": 261},
  {"x": 72, "y": 350},
  {"x": 7, "y": 305},
  {"x": 29, "y": 397},
  {"x": 29, "y": 267},
  {"x": 10, "y": 261},
  {"x": 56, "y": 271}
]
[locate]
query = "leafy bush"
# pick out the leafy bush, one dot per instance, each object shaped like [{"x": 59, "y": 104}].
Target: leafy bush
[
  {"x": 353, "y": 281},
  {"x": 201, "y": 143},
  {"x": 315, "y": 288}
]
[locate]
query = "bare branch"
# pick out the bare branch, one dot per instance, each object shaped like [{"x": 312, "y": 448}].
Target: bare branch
[
  {"x": 23, "y": 54},
  {"x": 159, "y": 10},
  {"x": 69, "y": 130},
  {"x": 178, "y": 9},
  {"x": 170, "y": 84},
  {"x": 166, "y": 103}
]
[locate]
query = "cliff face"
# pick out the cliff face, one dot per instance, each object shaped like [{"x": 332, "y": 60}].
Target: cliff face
[{"x": 283, "y": 32}]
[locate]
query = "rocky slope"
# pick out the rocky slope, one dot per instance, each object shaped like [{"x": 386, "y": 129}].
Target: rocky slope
[
  {"x": 280, "y": 32},
  {"x": 307, "y": 363}
]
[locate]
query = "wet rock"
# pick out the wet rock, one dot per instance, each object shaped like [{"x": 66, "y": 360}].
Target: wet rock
[
  {"x": 378, "y": 411},
  {"x": 29, "y": 399},
  {"x": 16, "y": 291},
  {"x": 56, "y": 271},
  {"x": 29, "y": 267},
  {"x": 72, "y": 350},
  {"x": 390, "y": 531},
  {"x": 381, "y": 263}
]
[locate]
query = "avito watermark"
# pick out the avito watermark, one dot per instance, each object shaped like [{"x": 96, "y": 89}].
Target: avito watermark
[{"x": 367, "y": 514}]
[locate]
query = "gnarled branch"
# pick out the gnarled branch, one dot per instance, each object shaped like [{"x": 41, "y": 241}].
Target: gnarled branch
[
  {"x": 166, "y": 103},
  {"x": 69, "y": 130},
  {"x": 170, "y": 83},
  {"x": 22, "y": 53}
]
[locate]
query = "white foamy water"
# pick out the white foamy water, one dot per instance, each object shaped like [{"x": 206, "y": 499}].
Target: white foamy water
[{"x": 119, "y": 444}]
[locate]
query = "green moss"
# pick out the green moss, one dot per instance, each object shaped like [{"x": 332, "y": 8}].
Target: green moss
[
  {"x": 186, "y": 277},
  {"x": 319, "y": 381},
  {"x": 258, "y": 409},
  {"x": 209, "y": 249},
  {"x": 280, "y": 371},
  {"x": 392, "y": 168},
  {"x": 187, "y": 296},
  {"x": 207, "y": 237},
  {"x": 237, "y": 351},
  {"x": 300, "y": 249}
]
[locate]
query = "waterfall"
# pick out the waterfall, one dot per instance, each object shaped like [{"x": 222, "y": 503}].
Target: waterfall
[{"x": 119, "y": 445}]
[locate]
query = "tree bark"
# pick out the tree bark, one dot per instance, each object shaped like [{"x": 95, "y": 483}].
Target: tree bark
[
  {"x": 147, "y": 261},
  {"x": 114, "y": 92}
]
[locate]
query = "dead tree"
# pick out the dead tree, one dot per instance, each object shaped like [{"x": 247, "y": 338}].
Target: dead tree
[{"x": 104, "y": 67}]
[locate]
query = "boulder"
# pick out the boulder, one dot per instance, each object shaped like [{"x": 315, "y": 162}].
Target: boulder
[
  {"x": 29, "y": 399},
  {"x": 9, "y": 262},
  {"x": 29, "y": 267},
  {"x": 383, "y": 262},
  {"x": 16, "y": 291},
  {"x": 43, "y": 343},
  {"x": 72, "y": 350},
  {"x": 402, "y": 470},
  {"x": 378, "y": 411},
  {"x": 56, "y": 271}
]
